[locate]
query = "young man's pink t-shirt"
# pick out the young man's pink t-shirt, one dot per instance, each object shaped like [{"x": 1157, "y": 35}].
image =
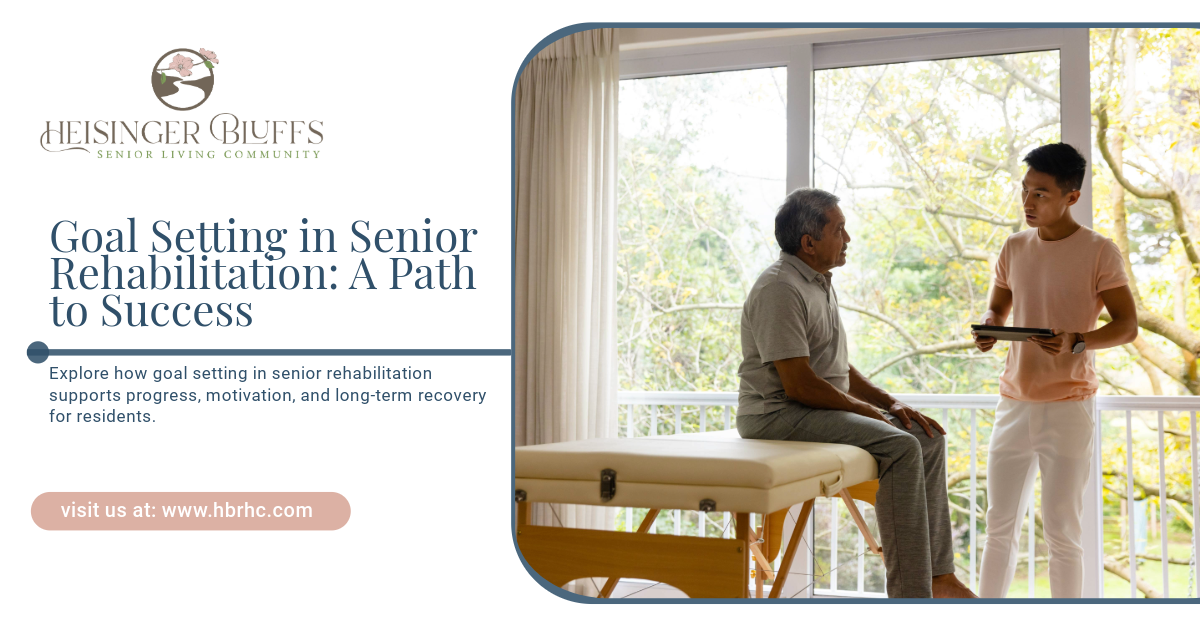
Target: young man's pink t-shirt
[{"x": 1055, "y": 285}]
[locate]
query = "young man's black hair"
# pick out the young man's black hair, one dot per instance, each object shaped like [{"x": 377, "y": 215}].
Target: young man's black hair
[{"x": 1060, "y": 161}]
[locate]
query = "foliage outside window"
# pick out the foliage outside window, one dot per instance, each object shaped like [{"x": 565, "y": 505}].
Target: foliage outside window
[{"x": 927, "y": 159}]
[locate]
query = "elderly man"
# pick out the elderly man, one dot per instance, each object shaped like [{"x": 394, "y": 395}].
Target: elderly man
[{"x": 797, "y": 384}]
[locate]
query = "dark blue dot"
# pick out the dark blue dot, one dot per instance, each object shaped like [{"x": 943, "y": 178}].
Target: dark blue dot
[{"x": 37, "y": 352}]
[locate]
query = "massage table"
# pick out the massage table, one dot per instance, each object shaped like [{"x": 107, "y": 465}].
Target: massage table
[{"x": 708, "y": 472}]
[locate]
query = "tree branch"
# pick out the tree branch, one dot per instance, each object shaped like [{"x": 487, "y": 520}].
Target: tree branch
[
  {"x": 1154, "y": 160},
  {"x": 1121, "y": 571},
  {"x": 1182, "y": 336},
  {"x": 1148, "y": 490},
  {"x": 1102, "y": 142},
  {"x": 886, "y": 319},
  {"x": 1025, "y": 80},
  {"x": 958, "y": 477},
  {"x": 963, "y": 251},
  {"x": 1169, "y": 195},
  {"x": 697, "y": 306},
  {"x": 683, "y": 308},
  {"x": 957, "y": 508},
  {"x": 1115, "y": 385},
  {"x": 1146, "y": 171},
  {"x": 1169, "y": 329},
  {"x": 981, "y": 207},
  {"x": 1148, "y": 367},
  {"x": 979, "y": 88},
  {"x": 893, "y": 185},
  {"x": 1173, "y": 561},
  {"x": 990, "y": 162},
  {"x": 995, "y": 221},
  {"x": 1151, "y": 354},
  {"x": 1040, "y": 125},
  {"x": 1120, "y": 229},
  {"x": 925, "y": 350},
  {"x": 854, "y": 124}
]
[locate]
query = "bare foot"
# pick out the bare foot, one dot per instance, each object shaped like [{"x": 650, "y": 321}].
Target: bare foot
[{"x": 948, "y": 586}]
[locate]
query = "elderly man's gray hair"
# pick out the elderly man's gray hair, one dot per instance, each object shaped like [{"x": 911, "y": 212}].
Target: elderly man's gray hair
[{"x": 802, "y": 213}]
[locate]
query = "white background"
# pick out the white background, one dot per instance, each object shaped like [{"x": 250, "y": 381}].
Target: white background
[{"x": 415, "y": 101}]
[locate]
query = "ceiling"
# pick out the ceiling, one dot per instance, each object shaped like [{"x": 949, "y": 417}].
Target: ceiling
[{"x": 641, "y": 38}]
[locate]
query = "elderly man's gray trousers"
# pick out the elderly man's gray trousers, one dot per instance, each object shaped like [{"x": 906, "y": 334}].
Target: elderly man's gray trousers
[{"x": 911, "y": 507}]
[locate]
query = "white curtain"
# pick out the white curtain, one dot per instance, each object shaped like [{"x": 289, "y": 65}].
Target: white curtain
[{"x": 566, "y": 349}]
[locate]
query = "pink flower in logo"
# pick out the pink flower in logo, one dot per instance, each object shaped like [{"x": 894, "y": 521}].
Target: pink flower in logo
[
  {"x": 210, "y": 55},
  {"x": 182, "y": 64}
]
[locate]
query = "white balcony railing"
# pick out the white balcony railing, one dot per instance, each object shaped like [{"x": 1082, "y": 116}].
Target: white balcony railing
[{"x": 670, "y": 412}]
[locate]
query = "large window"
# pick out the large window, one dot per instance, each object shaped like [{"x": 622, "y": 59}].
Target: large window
[
  {"x": 922, "y": 138},
  {"x": 926, "y": 158},
  {"x": 702, "y": 165}
]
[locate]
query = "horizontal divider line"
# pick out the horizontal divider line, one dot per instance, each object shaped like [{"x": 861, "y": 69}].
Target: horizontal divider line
[{"x": 279, "y": 352}]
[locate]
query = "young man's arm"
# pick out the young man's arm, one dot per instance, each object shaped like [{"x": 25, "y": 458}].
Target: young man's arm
[
  {"x": 999, "y": 307},
  {"x": 805, "y": 386},
  {"x": 1122, "y": 329},
  {"x": 866, "y": 390}
]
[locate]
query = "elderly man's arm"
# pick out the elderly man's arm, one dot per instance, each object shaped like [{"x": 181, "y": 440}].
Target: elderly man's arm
[
  {"x": 865, "y": 389},
  {"x": 803, "y": 385}
]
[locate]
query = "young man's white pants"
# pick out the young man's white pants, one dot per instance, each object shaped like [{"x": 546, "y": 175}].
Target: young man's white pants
[{"x": 1057, "y": 438}]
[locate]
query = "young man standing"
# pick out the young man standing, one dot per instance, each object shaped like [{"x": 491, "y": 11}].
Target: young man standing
[{"x": 1057, "y": 275}]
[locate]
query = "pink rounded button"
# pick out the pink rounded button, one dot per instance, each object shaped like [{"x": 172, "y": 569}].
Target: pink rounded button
[{"x": 190, "y": 511}]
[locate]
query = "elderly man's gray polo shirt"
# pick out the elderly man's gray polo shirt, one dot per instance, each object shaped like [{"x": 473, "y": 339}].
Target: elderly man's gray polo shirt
[{"x": 791, "y": 312}]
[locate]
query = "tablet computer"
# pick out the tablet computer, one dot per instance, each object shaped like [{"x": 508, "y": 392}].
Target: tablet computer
[{"x": 1011, "y": 333}]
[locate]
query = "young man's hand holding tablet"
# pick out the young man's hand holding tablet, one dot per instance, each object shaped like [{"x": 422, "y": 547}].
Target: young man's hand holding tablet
[{"x": 1021, "y": 334}]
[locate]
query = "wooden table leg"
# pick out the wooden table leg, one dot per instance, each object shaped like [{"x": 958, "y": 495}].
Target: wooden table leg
[
  {"x": 647, "y": 521},
  {"x": 790, "y": 553},
  {"x": 756, "y": 544},
  {"x": 700, "y": 567},
  {"x": 743, "y": 534},
  {"x": 860, "y": 522}
]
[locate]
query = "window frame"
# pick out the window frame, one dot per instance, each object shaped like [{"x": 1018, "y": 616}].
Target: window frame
[{"x": 804, "y": 54}]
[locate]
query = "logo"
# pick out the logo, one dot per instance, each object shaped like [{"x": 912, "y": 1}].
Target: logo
[{"x": 183, "y": 78}]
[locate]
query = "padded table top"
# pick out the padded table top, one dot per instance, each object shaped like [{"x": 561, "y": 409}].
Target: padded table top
[{"x": 666, "y": 471}]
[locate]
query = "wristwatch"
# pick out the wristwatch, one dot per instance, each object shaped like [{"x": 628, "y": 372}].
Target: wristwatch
[{"x": 1080, "y": 346}]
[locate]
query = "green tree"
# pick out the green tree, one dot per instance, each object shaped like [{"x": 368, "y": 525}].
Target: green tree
[{"x": 927, "y": 158}]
